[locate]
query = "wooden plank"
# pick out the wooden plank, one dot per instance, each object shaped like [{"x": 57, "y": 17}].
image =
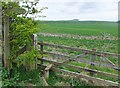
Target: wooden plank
[
  {"x": 40, "y": 66},
  {"x": 94, "y": 71},
  {"x": 84, "y": 50},
  {"x": 81, "y": 68},
  {"x": 80, "y": 56},
  {"x": 102, "y": 81},
  {"x": 97, "y": 63},
  {"x": 66, "y": 61},
  {"x": 48, "y": 67},
  {"x": 107, "y": 61},
  {"x": 45, "y": 82},
  {"x": 86, "y": 61},
  {"x": 56, "y": 54}
]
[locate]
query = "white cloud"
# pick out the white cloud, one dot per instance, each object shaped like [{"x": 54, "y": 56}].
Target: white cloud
[{"x": 82, "y": 9}]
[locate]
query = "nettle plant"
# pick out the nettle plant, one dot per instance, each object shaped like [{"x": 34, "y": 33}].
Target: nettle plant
[{"x": 21, "y": 27}]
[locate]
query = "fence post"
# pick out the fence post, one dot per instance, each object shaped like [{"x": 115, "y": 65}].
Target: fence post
[
  {"x": 41, "y": 49},
  {"x": 93, "y": 59},
  {"x": 34, "y": 40},
  {"x": 46, "y": 71}
]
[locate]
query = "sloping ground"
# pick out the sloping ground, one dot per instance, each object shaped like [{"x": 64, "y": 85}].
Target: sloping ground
[{"x": 83, "y": 28}]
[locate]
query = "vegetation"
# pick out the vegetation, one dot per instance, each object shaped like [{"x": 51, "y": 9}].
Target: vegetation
[
  {"x": 21, "y": 70},
  {"x": 21, "y": 67},
  {"x": 88, "y": 28},
  {"x": 66, "y": 28}
]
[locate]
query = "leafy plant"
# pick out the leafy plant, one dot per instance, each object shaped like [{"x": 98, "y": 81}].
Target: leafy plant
[{"x": 28, "y": 59}]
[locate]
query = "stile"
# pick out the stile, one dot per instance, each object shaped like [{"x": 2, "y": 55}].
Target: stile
[{"x": 46, "y": 71}]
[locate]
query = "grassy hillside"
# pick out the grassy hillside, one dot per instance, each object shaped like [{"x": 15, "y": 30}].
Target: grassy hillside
[{"x": 80, "y": 27}]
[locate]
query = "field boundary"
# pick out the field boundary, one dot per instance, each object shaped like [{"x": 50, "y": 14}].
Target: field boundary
[
  {"x": 68, "y": 59},
  {"x": 103, "y": 54}
]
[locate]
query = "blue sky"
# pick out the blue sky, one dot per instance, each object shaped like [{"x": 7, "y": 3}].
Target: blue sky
[{"x": 103, "y": 10}]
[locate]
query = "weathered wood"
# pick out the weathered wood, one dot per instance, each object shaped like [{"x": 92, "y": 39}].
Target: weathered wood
[
  {"x": 6, "y": 41},
  {"x": 81, "y": 68},
  {"x": 66, "y": 61},
  {"x": 40, "y": 66},
  {"x": 107, "y": 61},
  {"x": 79, "y": 49},
  {"x": 102, "y": 81},
  {"x": 46, "y": 71},
  {"x": 93, "y": 57},
  {"x": 84, "y": 60},
  {"x": 41, "y": 50},
  {"x": 80, "y": 56},
  {"x": 34, "y": 40},
  {"x": 48, "y": 67},
  {"x": 97, "y": 63},
  {"x": 45, "y": 82}
]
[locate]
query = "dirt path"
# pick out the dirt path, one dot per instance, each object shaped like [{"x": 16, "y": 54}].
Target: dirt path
[{"x": 80, "y": 36}]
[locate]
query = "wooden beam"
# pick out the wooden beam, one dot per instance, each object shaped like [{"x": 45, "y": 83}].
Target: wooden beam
[
  {"x": 45, "y": 82},
  {"x": 107, "y": 61},
  {"x": 83, "y": 50},
  {"x": 102, "y": 81},
  {"x": 84, "y": 60},
  {"x": 82, "y": 68}
]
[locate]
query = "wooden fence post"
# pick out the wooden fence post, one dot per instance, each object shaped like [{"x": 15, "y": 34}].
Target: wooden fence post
[
  {"x": 93, "y": 59},
  {"x": 35, "y": 40},
  {"x": 46, "y": 71},
  {"x": 41, "y": 49}
]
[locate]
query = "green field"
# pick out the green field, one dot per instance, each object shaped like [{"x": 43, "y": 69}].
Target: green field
[
  {"x": 99, "y": 29},
  {"x": 80, "y": 27}
]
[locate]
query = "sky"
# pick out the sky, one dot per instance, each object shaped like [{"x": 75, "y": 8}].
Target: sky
[{"x": 103, "y": 10}]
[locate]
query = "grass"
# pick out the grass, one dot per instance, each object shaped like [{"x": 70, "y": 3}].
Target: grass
[
  {"x": 100, "y": 45},
  {"x": 57, "y": 81},
  {"x": 85, "y": 29},
  {"x": 21, "y": 77},
  {"x": 80, "y": 28}
]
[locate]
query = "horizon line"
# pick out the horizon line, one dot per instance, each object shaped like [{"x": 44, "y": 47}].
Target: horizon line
[{"x": 80, "y": 20}]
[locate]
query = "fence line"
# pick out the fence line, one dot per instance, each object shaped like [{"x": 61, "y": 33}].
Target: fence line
[
  {"x": 81, "y": 68},
  {"x": 102, "y": 81},
  {"x": 80, "y": 58},
  {"x": 85, "y": 61},
  {"x": 84, "y": 50}
]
